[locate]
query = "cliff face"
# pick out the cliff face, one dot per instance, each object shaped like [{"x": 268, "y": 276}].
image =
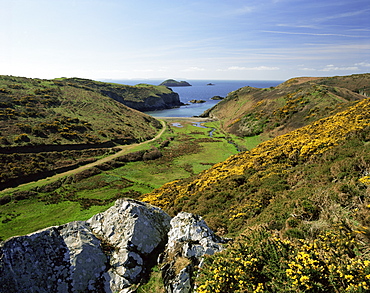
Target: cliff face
[
  {"x": 159, "y": 101},
  {"x": 141, "y": 97},
  {"x": 111, "y": 252}
]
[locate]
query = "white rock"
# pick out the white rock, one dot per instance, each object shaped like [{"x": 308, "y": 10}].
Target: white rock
[
  {"x": 108, "y": 253},
  {"x": 191, "y": 238}
]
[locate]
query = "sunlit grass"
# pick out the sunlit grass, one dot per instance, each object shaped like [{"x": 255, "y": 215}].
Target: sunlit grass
[{"x": 185, "y": 156}]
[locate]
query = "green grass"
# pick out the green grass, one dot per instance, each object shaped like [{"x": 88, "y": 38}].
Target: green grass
[
  {"x": 242, "y": 143},
  {"x": 50, "y": 109},
  {"x": 154, "y": 284},
  {"x": 187, "y": 154},
  {"x": 32, "y": 215}
]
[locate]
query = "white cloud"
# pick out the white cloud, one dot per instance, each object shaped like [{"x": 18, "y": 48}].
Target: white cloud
[
  {"x": 253, "y": 68},
  {"x": 193, "y": 68},
  {"x": 143, "y": 70},
  {"x": 331, "y": 67},
  {"x": 308, "y": 69},
  {"x": 342, "y": 15},
  {"x": 363, "y": 64},
  {"x": 297, "y": 26}
]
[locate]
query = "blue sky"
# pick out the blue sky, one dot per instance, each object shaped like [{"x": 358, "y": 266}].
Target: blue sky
[{"x": 203, "y": 39}]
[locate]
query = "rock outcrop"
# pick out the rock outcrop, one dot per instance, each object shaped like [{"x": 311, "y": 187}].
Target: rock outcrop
[
  {"x": 217, "y": 98},
  {"x": 197, "y": 101},
  {"x": 107, "y": 253},
  {"x": 188, "y": 241},
  {"x": 110, "y": 252},
  {"x": 135, "y": 234},
  {"x": 67, "y": 258},
  {"x": 152, "y": 102}
]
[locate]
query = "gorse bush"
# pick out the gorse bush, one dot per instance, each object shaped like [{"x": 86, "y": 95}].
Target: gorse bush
[
  {"x": 261, "y": 261},
  {"x": 275, "y": 167},
  {"x": 310, "y": 191}
]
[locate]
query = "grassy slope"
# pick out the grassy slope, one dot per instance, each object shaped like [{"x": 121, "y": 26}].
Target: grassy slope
[
  {"x": 293, "y": 104},
  {"x": 237, "y": 191},
  {"x": 35, "y": 113},
  {"x": 297, "y": 204},
  {"x": 190, "y": 151},
  {"x": 61, "y": 112},
  {"x": 137, "y": 93},
  {"x": 309, "y": 180}
]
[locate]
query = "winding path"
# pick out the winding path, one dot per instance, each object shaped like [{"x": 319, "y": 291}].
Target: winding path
[{"x": 124, "y": 149}]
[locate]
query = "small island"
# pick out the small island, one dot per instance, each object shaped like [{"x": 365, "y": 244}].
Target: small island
[
  {"x": 172, "y": 83},
  {"x": 217, "y": 98},
  {"x": 197, "y": 101}
]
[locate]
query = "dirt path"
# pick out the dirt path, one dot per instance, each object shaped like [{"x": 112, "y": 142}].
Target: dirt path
[{"x": 124, "y": 149}]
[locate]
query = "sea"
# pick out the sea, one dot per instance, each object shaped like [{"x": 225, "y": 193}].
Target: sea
[{"x": 200, "y": 90}]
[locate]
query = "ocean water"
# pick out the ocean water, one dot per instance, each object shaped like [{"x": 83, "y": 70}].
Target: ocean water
[{"x": 200, "y": 91}]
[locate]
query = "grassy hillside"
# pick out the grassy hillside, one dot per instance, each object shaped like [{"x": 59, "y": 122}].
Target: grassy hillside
[
  {"x": 293, "y": 104},
  {"x": 51, "y": 124},
  {"x": 297, "y": 204},
  {"x": 179, "y": 153},
  {"x": 137, "y": 93},
  {"x": 41, "y": 112},
  {"x": 243, "y": 185}
]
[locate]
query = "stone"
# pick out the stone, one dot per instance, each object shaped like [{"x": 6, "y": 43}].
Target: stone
[
  {"x": 66, "y": 258},
  {"x": 197, "y": 101},
  {"x": 137, "y": 231},
  {"x": 188, "y": 239},
  {"x": 108, "y": 253},
  {"x": 217, "y": 98},
  {"x": 111, "y": 252}
]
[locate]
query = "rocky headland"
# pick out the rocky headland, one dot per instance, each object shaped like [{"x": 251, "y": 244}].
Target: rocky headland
[
  {"x": 141, "y": 97},
  {"x": 111, "y": 252}
]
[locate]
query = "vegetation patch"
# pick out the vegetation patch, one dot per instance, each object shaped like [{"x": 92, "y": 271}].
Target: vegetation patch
[{"x": 184, "y": 152}]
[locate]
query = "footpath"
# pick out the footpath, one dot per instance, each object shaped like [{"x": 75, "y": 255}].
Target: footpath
[{"x": 124, "y": 150}]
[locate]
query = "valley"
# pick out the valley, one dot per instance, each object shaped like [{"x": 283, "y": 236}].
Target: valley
[
  {"x": 285, "y": 174},
  {"x": 66, "y": 197}
]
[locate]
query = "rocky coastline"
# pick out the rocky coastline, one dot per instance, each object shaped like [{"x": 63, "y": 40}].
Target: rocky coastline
[{"x": 159, "y": 101}]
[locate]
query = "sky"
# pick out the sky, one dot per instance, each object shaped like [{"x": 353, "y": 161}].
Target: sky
[{"x": 192, "y": 39}]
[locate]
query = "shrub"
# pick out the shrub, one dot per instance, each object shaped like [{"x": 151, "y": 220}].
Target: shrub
[
  {"x": 86, "y": 174},
  {"x": 5, "y": 199},
  {"x": 4, "y": 140},
  {"x": 152, "y": 155},
  {"x": 336, "y": 261},
  {"x": 131, "y": 157},
  {"x": 22, "y": 138}
]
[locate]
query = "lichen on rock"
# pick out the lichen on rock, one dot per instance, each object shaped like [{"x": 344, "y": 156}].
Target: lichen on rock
[
  {"x": 111, "y": 252},
  {"x": 188, "y": 241},
  {"x": 108, "y": 253}
]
